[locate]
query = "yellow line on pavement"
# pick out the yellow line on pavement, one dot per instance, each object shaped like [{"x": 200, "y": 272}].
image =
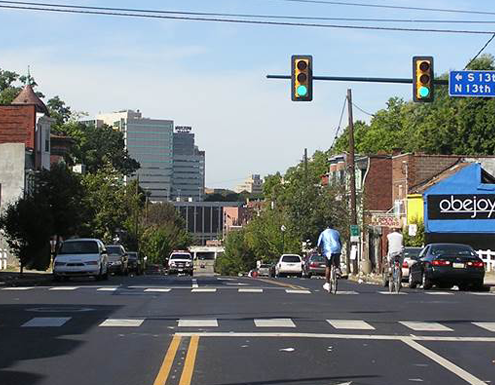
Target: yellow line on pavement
[
  {"x": 167, "y": 361},
  {"x": 187, "y": 373},
  {"x": 288, "y": 285}
]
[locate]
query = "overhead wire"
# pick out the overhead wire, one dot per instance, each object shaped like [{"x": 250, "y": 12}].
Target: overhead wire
[
  {"x": 363, "y": 111},
  {"x": 337, "y": 131},
  {"x": 480, "y": 51},
  {"x": 238, "y": 21}
]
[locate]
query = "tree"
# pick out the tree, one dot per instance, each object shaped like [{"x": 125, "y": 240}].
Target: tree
[
  {"x": 10, "y": 85},
  {"x": 58, "y": 111}
]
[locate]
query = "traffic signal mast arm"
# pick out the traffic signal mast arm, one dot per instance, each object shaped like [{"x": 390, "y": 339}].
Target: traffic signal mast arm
[{"x": 361, "y": 79}]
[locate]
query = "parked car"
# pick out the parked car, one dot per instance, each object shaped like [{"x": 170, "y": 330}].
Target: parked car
[
  {"x": 446, "y": 265},
  {"x": 134, "y": 263},
  {"x": 81, "y": 257},
  {"x": 180, "y": 262},
  {"x": 289, "y": 264},
  {"x": 264, "y": 270},
  {"x": 117, "y": 260},
  {"x": 411, "y": 256},
  {"x": 314, "y": 265}
]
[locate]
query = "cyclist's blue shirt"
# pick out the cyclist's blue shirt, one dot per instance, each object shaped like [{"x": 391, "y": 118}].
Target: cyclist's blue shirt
[{"x": 329, "y": 241}]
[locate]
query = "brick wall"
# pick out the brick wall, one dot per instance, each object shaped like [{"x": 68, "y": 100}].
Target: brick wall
[
  {"x": 378, "y": 184},
  {"x": 17, "y": 124}
]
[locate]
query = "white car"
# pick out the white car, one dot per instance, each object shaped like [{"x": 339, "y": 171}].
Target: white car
[
  {"x": 81, "y": 258},
  {"x": 180, "y": 262},
  {"x": 411, "y": 256},
  {"x": 289, "y": 264}
]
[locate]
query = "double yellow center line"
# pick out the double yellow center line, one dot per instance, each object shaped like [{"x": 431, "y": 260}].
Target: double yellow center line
[
  {"x": 288, "y": 285},
  {"x": 169, "y": 359}
]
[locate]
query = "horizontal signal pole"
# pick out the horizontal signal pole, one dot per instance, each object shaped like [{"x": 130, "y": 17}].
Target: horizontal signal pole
[{"x": 361, "y": 79}]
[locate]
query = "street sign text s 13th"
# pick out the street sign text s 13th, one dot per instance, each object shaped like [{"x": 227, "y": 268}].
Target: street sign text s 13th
[{"x": 479, "y": 84}]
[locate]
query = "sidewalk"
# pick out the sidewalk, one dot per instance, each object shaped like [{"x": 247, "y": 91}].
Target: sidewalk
[{"x": 30, "y": 278}]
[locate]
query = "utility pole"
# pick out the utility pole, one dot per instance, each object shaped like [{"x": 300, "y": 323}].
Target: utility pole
[
  {"x": 306, "y": 163},
  {"x": 136, "y": 224},
  {"x": 352, "y": 174}
]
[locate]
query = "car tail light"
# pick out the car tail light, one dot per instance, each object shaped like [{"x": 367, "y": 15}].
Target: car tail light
[
  {"x": 478, "y": 264},
  {"x": 314, "y": 264},
  {"x": 405, "y": 265},
  {"x": 440, "y": 262}
]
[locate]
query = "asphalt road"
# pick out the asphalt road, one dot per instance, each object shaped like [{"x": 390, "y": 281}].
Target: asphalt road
[{"x": 156, "y": 330}]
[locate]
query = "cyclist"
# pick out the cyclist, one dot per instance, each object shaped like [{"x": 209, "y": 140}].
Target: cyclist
[
  {"x": 331, "y": 247},
  {"x": 395, "y": 247}
]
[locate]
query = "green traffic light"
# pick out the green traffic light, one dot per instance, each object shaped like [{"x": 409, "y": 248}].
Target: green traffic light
[
  {"x": 424, "y": 92},
  {"x": 302, "y": 90}
]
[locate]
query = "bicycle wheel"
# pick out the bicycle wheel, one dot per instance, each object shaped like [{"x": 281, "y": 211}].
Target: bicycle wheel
[
  {"x": 391, "y": 282},
  {"x": 397, "y": 279},
  {"x": 333, "y": 280}
]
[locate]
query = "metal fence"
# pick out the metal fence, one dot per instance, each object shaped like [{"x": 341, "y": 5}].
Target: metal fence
[{"x": 488, "y": 257}]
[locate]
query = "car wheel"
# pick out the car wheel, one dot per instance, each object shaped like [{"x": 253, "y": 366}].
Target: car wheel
[
  {"x": 309, "y": 275},
  {"x": 412, "y": 283},
  {"x": 463, "y": 287},
  {"x": 56, "y": 278},
  {"x": 426, "y": 282}
]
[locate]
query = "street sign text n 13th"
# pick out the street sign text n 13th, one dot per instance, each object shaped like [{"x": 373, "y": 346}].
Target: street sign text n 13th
[{"x": 477, "y": 84}]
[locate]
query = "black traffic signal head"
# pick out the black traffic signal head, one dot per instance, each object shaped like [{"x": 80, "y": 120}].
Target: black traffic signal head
[
  {"x": 302, "y": 78},
  {"x": 423, "y": 79}
]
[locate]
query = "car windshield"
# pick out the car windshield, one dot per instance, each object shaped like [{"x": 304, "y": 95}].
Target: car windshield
[
  {"x": 264, "y": 266},
  {"x": 181, "y": 256},
  {"x": 132, "y": 255},
  {"x": 79, "y": 247},
  {"x": 453, "y": 250},
  {"x": 114, "y": 250},
  {"x": 291, "y": 258},
  {"x": 413, "y": 253},
  {"x": 317, "y": 258}
]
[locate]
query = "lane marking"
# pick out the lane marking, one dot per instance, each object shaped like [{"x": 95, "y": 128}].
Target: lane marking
[
  {"x": 158, "y": 290},
  {"x": 203, "y": 290},
  {"x": 64, "y": 288},
  {"x": 425, "y": 326},
  {"x": 198, "y": 323},
  {"x": 466, "y": 376},
  {"x": 389, "y": 293},
  {"x": 290, "y": 286},
  {"x": 122, "y": 322},
  {"x": 250, "y": 290},
  {"x": 350, "y": 324},
  {"x": 491, "y": 294},
  {"x": 195, "y": 283},
  {"x": 18, "y": 288},
  {"x": 188, "y": 370},
  {"x": 274, "y": 323},
  {"x": 168, "y": 361},
  {"x": 438, "y": 293},
  {"x": 107, "y": 289},
  {"x": 290, "y": 291},
  {"x": 490, "y": 326},
  {"x": 347, "y": 292},
  {"x": 41, "y": 322},
  {"x": 337, "y": 336}
]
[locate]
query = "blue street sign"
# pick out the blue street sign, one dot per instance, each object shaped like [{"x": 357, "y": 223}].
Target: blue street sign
[{"x": 480, "y": 84}]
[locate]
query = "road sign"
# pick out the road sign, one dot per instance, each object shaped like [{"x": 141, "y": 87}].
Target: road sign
[
  {"x": 354, "y": 233},
  {"x": 478, "y": 84}
]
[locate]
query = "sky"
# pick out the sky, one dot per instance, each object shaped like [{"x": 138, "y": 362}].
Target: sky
[{"x": 212, "y": 76}]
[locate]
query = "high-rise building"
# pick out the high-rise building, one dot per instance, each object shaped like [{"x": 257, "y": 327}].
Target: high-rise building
[
  {"x": 188, "y": 183},
  {"x": 150, "y": 142},
  {"x": 253, "y": 185}
]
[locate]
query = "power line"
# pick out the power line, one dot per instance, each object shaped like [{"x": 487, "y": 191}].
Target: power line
[
  {"x": 241, "y": 21},
  {"x": 360, "y": 109},
  {"x": 480, "y": 51},
  {"x": 340, "y": 124},
  {"x": 258, "y": 16},
  {"x": 396, "y": 7}
]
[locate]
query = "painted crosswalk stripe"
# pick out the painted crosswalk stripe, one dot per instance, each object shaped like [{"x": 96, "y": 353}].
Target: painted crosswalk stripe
[
  {"x": 107, "y": 289},
  {"x": 350, "y": 324},
  {"x": 391, "y": 293},
  {"x": 347, "y": 292},
  {"x": 291, "y": 291},
  {"x": 158, "y": 290},
  {"x": 18, "y": 288},
  {"x": 203, "y": 290},
  {"x": 62, "y": 288},
  {"x": 198, "y": 323},
  {"x": 195, "y": 284},
  {"x": 490, "y": 326},
  {"x": 438, "y": 293},
  {"x": 38, "y": 322},
  {"x": 122, "y": 322},
  {"x": 250, "y": 290},
  {"x": 274, "y": 323},
  {"x": 425, "y": 326},
  {"x": 487, "y": 293}
]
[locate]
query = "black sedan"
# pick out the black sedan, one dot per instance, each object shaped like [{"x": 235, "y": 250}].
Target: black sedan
[{"x": 447, "y": 264}]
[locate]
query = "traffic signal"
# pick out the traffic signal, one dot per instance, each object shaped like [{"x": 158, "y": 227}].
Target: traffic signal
[
  {"x": 302, "y": 78},
  {"x": 423, "y": 77}
]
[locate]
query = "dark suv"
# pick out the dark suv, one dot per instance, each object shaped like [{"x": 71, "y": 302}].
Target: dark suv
[
  {"x": 117, "y": 260},
  {"x": 134, "y": 263}
]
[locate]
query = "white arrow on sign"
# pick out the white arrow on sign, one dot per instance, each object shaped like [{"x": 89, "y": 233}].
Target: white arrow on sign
[{"x": 458, "y": 77}]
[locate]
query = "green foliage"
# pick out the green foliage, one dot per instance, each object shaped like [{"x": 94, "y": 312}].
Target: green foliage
[
  {"x": 238, "y": 256},
  {"x": 419, "y": 239},
  {"x": 60, "y": 112}
]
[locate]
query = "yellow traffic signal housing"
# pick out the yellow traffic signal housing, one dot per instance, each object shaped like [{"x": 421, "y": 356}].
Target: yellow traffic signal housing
[
  {"x": 302, "y": 78},
  {"x": 423, "y": 79}
]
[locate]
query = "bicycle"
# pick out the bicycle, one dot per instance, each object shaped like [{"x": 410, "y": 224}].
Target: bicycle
[
  {"x": 334, "y": 279},
  {"x": 395, "y": 276}
]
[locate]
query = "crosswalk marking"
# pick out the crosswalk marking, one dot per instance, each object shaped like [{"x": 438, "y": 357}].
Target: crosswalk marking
[
  {"x": 425, "y": 326},
  {"x": 291, "y": 291},
  {"x": 490, "y": 326},
  {"x": 274, "y": 323},
  {"x": 18, "y": 288},
  {"x": 250, "y": 290},
  {"x": 347, "y": 292},
  {"x": 350, "y": 324},
  {"x": 483, "y": 293},
  {"x": 107, "y": 289},
  {"x": 438, "y": 293},
  {"x": 62, "y": 288},
  {"x": 392, "y": 293},
  {"x": 46, "y": 322},
  {"x": 198, "y": 323},
  {"x": 158, "y": 290},
  {"x": 122, "y": 322},
  {"x": 203, "y": 290}
]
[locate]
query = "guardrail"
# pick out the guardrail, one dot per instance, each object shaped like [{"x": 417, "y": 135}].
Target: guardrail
[{"x": 488, "y": 257}]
